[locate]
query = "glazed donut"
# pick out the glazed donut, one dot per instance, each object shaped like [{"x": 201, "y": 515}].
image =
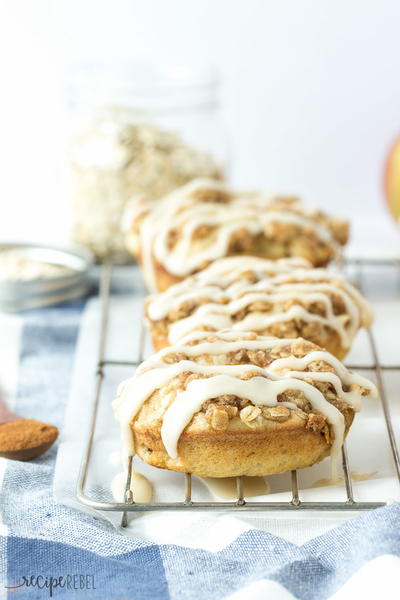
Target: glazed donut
[
  {"x": 202, "y": 221},
  {"x": 234, "y": 403},
  {"x": 281, "y": 298}
]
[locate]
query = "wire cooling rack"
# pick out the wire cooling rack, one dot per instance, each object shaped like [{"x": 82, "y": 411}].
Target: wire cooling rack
[{"x": 375, "y": 368}]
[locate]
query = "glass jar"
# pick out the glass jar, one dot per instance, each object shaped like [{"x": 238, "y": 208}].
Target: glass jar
[{"x": 134, "y": 131}]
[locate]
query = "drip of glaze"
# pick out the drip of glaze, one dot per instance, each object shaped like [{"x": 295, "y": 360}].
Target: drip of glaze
[
  {"x": 224, "y": 488},
  {"x": 334, "y": 468},
  {"x": 335, "y": 480},
  {"x": 141, "y": 487},
  {"x": 363, "y": 476},
  {"x": 325, "y": 481}
]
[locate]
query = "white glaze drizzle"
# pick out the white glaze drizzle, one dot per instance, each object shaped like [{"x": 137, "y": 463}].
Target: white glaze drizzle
[
  {"x": 280, "y": 288},
  {"x": 262, "y": 389},
  {"x": 219, "y": 275},
  {"x": 178, "y": 210}
]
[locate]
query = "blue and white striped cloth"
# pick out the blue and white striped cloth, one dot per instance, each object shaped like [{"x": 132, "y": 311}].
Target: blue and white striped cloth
[{"x": 43, "y": 539}]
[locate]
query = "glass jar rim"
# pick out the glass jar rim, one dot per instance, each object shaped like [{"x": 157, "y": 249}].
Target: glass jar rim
[
  {"x": 140, "y": 78},
  {"x": 146, "y": 90}
]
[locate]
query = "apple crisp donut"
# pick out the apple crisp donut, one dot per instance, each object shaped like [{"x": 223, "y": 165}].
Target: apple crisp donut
[
  {"x": 280, "y": 298},
  {"x": 203, "y": 221},
  {"x": 234, "y": 403}
]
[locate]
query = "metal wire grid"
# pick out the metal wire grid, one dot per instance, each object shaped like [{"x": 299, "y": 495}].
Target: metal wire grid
[{"x": 240, "y": 504}]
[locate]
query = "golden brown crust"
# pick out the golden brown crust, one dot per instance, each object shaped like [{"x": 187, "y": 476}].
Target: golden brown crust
[
  {"x": 158, "y": 340},
  {"x": 163, "y": 278},
  {"x": 275, "y": 448}
]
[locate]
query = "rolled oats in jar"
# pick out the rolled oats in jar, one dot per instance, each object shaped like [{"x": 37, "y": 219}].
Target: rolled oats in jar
[{"x": 145, "y": 133}]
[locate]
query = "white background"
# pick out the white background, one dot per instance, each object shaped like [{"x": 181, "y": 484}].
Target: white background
[{"x": 311, "y": 93}]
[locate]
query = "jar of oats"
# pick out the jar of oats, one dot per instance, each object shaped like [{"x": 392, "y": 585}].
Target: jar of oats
[{"x": 135, "y": 130}]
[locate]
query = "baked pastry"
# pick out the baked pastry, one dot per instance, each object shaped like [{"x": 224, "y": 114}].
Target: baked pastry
[
  {"x": 204, "y": 220},
  {"x": 234, "y": 403},
  {"x": 273, "y": 298}
]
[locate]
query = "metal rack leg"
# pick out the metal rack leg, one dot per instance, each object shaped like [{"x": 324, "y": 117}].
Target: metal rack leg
[
  {"x": 295, "y": 489},
  {"x": 347, "y": 476},
  {"x": 239, "y": 490},
  {"x": 188, "y": 488},
  {"x": 128, "y": 492}
]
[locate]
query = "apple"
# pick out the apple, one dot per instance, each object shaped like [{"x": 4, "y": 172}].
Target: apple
[{"x": 392, "y": 180}]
